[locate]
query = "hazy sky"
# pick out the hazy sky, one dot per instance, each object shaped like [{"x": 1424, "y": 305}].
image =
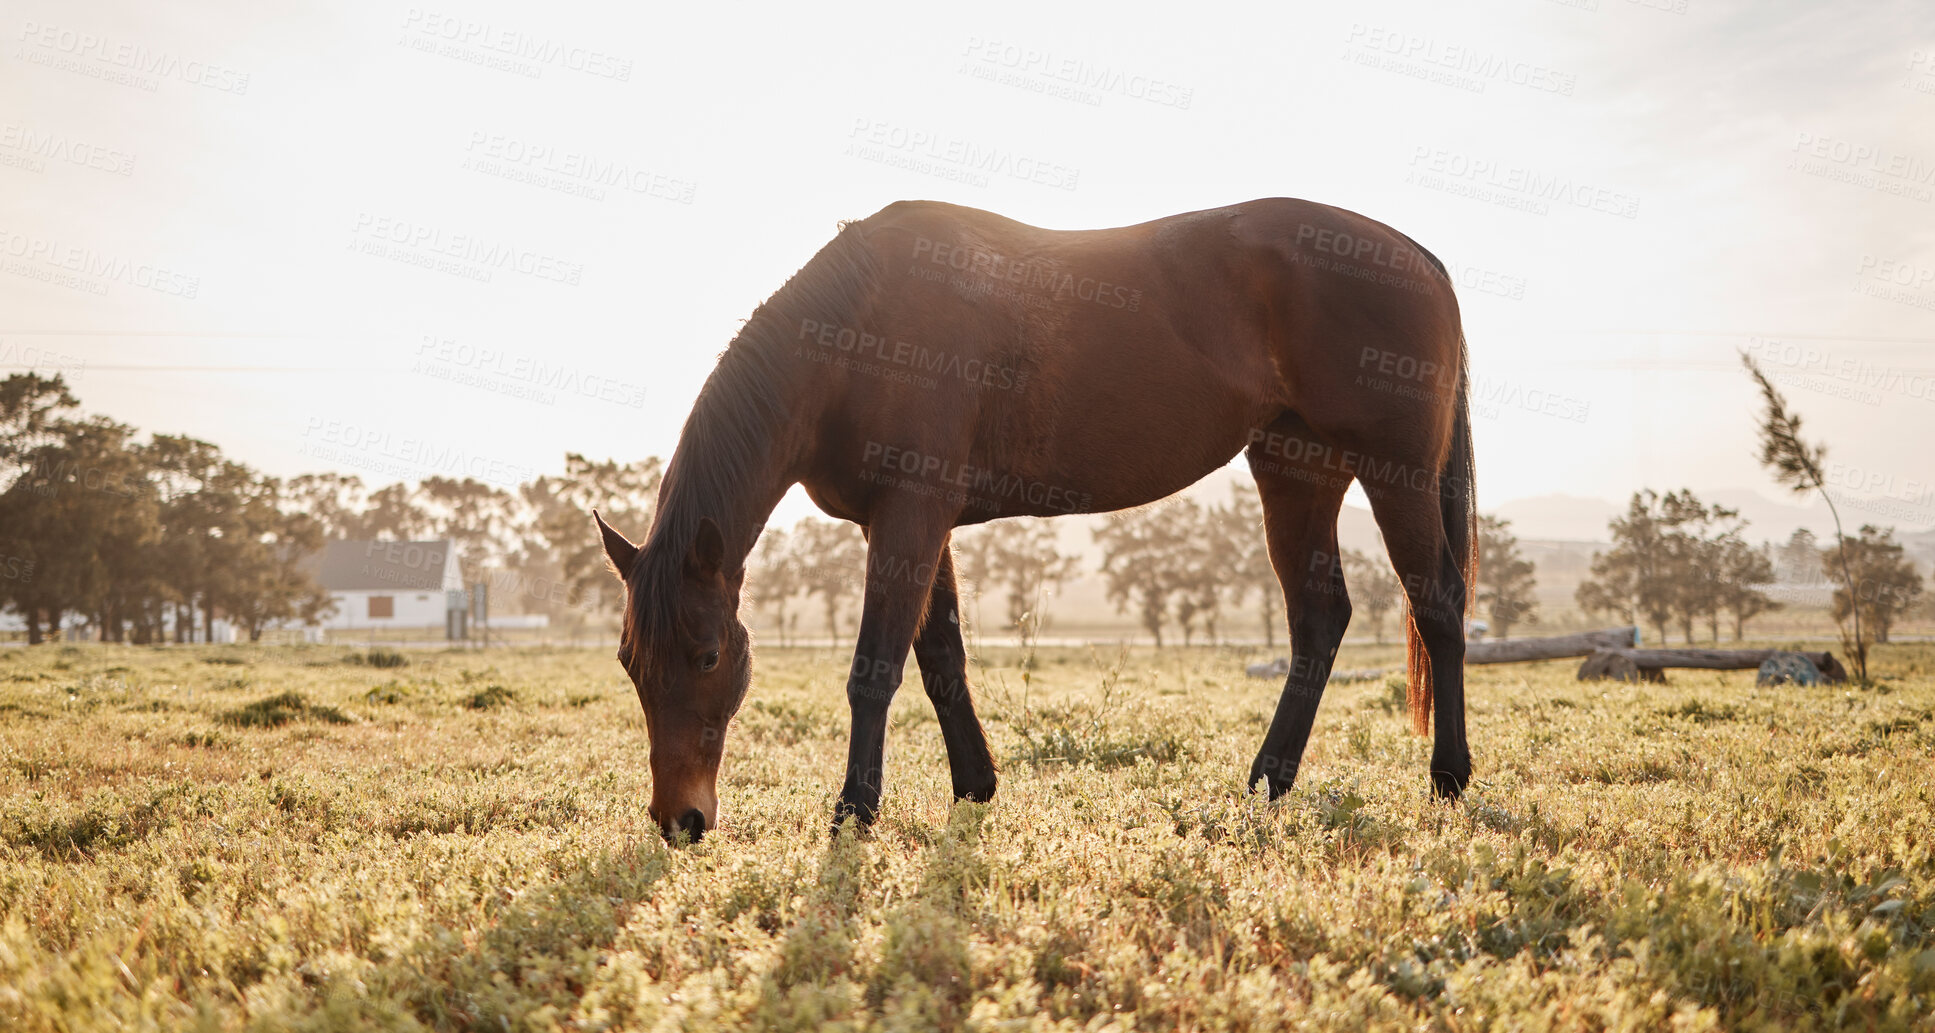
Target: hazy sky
[{"x": 464, "y": 239}]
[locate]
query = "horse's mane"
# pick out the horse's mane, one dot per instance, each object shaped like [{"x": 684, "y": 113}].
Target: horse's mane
[{"x": 738, "y": 418}]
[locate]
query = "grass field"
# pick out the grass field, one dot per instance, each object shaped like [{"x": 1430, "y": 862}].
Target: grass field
[{"x": 240, "y": 838}]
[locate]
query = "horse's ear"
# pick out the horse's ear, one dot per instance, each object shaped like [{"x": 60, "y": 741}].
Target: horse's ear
[
  {"x": 708, "y": 548},
  {"x": 618, "y": 548}
]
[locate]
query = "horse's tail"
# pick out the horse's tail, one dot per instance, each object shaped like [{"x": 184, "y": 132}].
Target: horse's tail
[{"x": 1458, "y": 512}]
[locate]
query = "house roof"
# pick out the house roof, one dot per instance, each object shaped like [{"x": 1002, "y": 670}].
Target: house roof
[{"x": 349, "y": 566}]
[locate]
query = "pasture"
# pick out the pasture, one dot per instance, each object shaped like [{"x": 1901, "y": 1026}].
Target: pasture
[{"x": 294, "y": 838}]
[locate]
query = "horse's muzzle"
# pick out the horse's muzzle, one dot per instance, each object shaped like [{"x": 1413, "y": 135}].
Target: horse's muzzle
[{"x": 692, "y": 824}]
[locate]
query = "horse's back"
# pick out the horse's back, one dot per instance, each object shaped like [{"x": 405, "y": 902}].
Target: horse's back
[{"x": 1143, "y": 356}]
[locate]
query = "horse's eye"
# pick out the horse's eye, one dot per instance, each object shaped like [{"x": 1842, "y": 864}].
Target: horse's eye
[{"x": 708, "y": 661}]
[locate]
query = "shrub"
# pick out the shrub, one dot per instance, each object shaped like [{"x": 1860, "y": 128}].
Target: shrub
[
  {"x": 490, "y": 698},
  {"x": 276, "y": 711}
]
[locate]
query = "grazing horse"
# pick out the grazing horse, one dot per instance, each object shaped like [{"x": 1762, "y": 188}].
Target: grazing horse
[{"x": 935, "y": 366}]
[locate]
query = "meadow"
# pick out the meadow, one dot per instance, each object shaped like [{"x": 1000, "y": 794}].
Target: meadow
[{"x": 319, "y": 838}]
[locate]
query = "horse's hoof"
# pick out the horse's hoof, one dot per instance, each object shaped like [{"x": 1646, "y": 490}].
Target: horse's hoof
[
  {"x": 861, "y": 817},
  {"x": 1449, "y": 785},
  {"x": 979, "y": 790},
  {"x": 1274, "y": 785}
]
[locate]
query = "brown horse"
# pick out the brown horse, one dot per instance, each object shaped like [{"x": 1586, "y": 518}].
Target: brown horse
[{"x": 937, "y": 366}]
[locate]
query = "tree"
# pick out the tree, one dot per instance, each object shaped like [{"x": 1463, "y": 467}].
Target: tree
[
  {"x": 562, "y": 566},
  {"x": 83, "y": 514},
  {"x": 1240, "y": 549},
  {"x": 1693, "y": 540},
  {"x": 266, "y": 579},
  {"x": 1632, "y": 580},
  {"x": 394, "y": 513},
  {"x": 1675, "y": 562},
  {"x": 832, "y": 563},
  {"x": 775, "y": 578},
  {"x": 1797, "y": 465},
  {"x": 1021, "y": 558},
  {"x": 479, "y": 518},
  {"x": 1743, "y": 569},
  {"x": 1505, "y": 579},
  {"x": 186, "y": 473},
  {"x": 33, "y": 414},
  {"x": 118, "y": 530},
  {"x": 1144, "y": 557},
  {"x": 1885, "y": 582},
  {"x": 336, "y": 502},
  {"x": 1374, "y": 588},
  {"x": 1800, "y": 558}
]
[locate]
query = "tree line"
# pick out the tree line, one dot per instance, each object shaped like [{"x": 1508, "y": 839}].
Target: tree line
[
  {"x": 138, "y": 535},
  {"x": 151, "y": 538},
  {"x": 1680, "y": 564},
  {"x": 158, "y": 537},
  {"x": 1179, "y": 567},
  {"x": 145, "y": 539}
]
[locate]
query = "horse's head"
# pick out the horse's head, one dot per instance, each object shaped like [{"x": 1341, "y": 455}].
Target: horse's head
[{"x": 690, "y": 659}]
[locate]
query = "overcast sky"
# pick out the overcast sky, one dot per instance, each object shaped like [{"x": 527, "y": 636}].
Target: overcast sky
[{"x": 399, "y": 240}]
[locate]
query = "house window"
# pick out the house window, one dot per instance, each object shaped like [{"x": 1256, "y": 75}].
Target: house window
[{"x": 382, "y": 606}]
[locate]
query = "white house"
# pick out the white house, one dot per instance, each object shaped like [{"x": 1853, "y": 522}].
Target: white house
[{"x": 389, "y": 584}]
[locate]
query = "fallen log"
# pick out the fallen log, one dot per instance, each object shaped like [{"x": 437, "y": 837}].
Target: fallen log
[
  {"x": 1557, "y": 647},
  {"x": 1651, "y": 664},
  {"x": 1508, "y": 651}
]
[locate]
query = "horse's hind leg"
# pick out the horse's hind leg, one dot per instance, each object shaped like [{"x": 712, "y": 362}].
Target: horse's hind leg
[
  {"x": 943, "y": 671},
  {"x": 1300, "y": 502},
  {"x": 1415, "y": 535}
]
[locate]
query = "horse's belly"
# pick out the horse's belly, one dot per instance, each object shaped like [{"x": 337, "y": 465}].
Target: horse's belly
[{"x": 1106, "y": 453}]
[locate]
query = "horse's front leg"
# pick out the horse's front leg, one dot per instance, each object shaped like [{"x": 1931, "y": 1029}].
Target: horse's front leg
[{"x": 903, "y": 555}]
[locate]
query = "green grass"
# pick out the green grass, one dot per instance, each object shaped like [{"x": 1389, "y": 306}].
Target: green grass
[{"x": 462, "y": 844}]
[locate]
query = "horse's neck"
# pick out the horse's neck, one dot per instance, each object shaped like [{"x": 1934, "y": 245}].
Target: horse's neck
[{"x": 739, "y": 502}]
